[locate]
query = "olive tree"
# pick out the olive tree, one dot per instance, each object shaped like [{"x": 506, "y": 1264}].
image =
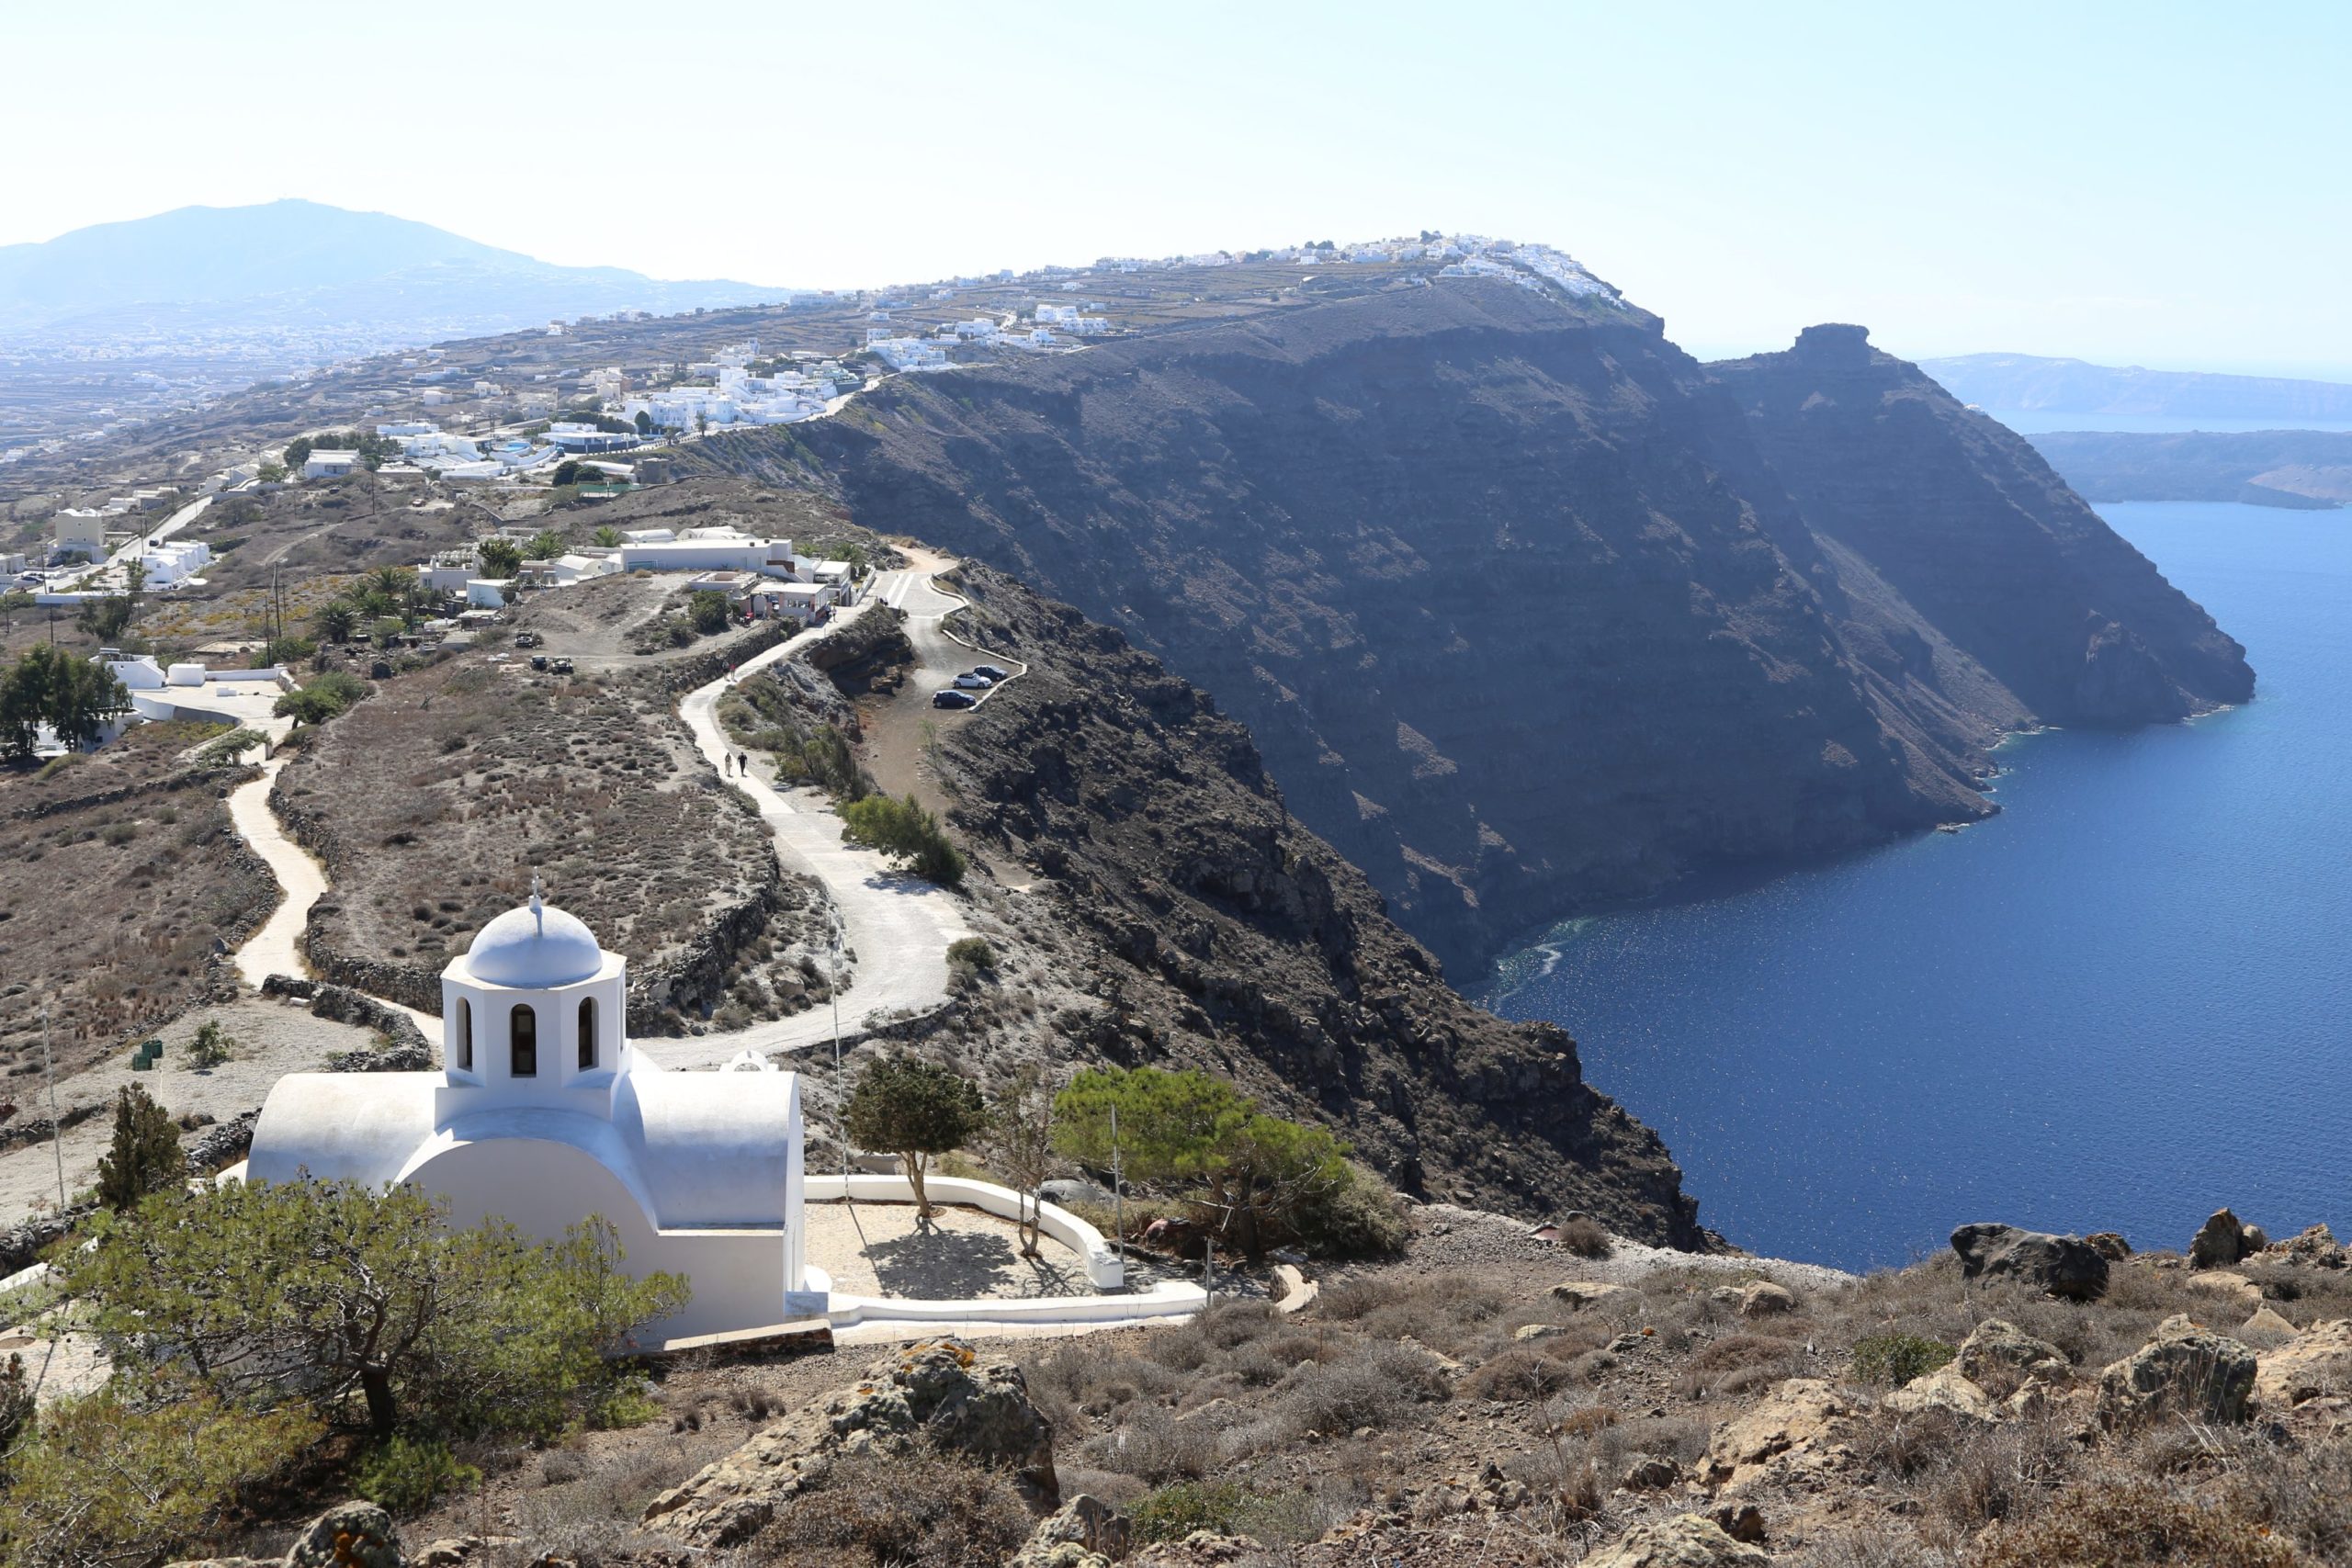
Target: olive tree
[
  {"x": 1020, "y": 1144},
  {"x": 914, "y": 1110}
]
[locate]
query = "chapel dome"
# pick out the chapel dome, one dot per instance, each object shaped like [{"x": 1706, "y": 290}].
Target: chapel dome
[{"x": 537, "y": 947}]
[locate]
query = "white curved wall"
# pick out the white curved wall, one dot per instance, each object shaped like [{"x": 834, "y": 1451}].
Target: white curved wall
[{"x": 1102, "y": 1267}]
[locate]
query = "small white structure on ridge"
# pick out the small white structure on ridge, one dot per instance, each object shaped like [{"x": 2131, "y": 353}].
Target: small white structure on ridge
[{"x": 543, "y": 1115}]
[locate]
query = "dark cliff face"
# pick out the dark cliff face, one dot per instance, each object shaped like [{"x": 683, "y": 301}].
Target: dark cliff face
[
  {"x": 1509, "y": 591},
  {"x": 1218, "y": 932},
  {"x": 1488, "y": 581},
  {"x": 1964, "y": 520}
]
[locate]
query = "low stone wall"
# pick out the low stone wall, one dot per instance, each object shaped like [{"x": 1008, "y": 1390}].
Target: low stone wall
[
  {"x": 21, "y": 1246},
  {"x": 1102, "y": 1267},
  {"x": 220, "y": 780},
  {"x": 702, "y": 669}
]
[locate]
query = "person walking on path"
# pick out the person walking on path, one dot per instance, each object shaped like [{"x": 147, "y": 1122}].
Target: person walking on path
[
  {"x": 727, "y": 763},
  {"x": 744, "y": 764}
]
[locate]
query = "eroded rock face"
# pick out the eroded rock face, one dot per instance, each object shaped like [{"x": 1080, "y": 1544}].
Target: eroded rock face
[
  {"x": 2063, "y": 1265},
  {"x": 933, "y": 1393},
  {"x": 1798, "y": 1427},
  {"x": 2185, "y": 1372},
  {"x": 1687, "y": 1540},
  {"x": 2315, "y": 1364}
]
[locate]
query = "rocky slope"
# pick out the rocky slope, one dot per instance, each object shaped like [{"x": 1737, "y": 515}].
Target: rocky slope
[
  {"x": 1202, "y": 924},
  {"x": 1511, "y": 595},
  {"x": 1921, "y": 505}
]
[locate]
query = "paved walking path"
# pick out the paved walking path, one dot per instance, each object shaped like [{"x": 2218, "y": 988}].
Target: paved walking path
[{"x": 895, "y": 928}]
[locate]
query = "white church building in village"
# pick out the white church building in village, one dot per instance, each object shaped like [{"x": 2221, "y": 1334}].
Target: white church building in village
[{"x": 543, "y": 1113}]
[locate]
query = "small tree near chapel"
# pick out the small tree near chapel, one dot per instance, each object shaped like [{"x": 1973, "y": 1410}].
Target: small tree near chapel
[
  {"x": 914, "y": 1109},
  {"x": 145, "y": 1154}
]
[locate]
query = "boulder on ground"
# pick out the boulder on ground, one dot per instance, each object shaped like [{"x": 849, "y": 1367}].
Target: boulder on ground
[
  {"x": 2001, "y": 1357},
  {"x": 2315, "y": 1363},
  {"x": 929, "y": 1393},
  {"x": 1528, "y": 1332},
  {"x": 349, "y": 1534},
  {"x": 1652, "y": 1473},
  {"x": 1797, "y": 1425},
  {"x": 2063, "y": 1265},
  {"x": 1741, "y": 1521},
  {"x": 1578, "y": 1294},
  {"x": 2108, "y": 1244},
  {"x": 2184, "y": 1372},
  {"x": 1687, "y": 1540},
  {"x": 2266, "y": 1330},
  {"x": 1946, "y": 1388},
  {"x": 2219, "y": 1242},
  {"x": 1084, "y": 1533},
  {"x": 1762, "y": 1297}
]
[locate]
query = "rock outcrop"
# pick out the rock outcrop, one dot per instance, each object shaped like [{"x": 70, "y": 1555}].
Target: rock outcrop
[
  {"x": 2063, "y": 1265},
  {"x": 1800, "y": 1426},
  {"x": 2185, "y": 1373},
  {"x": 2315, "y": 1363},
  {"x": 1687, "y": 1540},
  {"x": 933, "y": 1393},
  {"x": 2224, "y": 1240}
]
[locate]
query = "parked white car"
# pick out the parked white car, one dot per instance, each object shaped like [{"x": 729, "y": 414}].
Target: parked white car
[{"x": 974, "y": 683}]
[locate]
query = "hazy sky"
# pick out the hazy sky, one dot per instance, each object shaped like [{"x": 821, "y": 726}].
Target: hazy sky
[{"x": 2161, "y": 184}]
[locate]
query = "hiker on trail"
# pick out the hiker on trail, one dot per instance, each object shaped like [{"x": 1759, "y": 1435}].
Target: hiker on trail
[
  {"x": 743, "y": 761},
  {"x": 727, "y": 763}
]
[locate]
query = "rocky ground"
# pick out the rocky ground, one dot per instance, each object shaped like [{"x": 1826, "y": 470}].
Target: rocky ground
[
  {"x": 119, "y": 875},
  {"x": 1485, "y": 1400}
]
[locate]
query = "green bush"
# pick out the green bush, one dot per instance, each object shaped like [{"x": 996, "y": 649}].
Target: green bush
[
  {"x": 1894, "y": 1359},
  {"x": 708, "y": 611},
  {"x": 211, "y": 1046},
  {"x": 225, "y": 748},
  {"x": 1360, "y": 1219},
  {"x": 404, "y": 1475},
  {"x": 972, "y": 950},
  {"x": 904, "y": 830},
  {"x": 1221, "y": 1508}
]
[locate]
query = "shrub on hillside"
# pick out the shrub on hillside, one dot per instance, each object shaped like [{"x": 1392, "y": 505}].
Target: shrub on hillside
[
  {"x": 364, "y": 1306},
  {"x": 1894, "y": 1359},
  {"x": 404, "y": 1475},
  {"x": 112, "y": 1479},
  {"x": 908, "y": 833},
  {"x": 2134, "y": 1523},
  {"x": 914, "y": 1511}
]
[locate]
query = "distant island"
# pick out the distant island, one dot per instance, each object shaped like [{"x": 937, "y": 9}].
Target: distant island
[
  {"x": 2306, "y": 470},
  {"x": 2030, "y": 383}
]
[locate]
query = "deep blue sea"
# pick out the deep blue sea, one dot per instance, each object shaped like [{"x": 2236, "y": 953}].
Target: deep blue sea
[{"x": 2119, "y": 1004}]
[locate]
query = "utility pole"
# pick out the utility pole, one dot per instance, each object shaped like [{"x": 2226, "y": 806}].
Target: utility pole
[{"x": 56, "y": 1133}]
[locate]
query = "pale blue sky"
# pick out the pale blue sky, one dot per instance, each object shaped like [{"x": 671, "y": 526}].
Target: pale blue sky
[{"x": 2161, "y": 184}]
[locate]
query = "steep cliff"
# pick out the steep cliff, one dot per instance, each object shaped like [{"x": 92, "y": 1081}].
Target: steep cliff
[
  {"x": 1508, "y": 592},
  {"x": 1163, "y": 878},
  {"x": 1962, "y": 518}
]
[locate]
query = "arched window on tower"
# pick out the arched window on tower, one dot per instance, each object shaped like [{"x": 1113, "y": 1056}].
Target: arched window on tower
[
  {"x": 587, "y": 1033},
  {"x": 522, "y": 1042},
  {"x": 465, "y": 1035}
]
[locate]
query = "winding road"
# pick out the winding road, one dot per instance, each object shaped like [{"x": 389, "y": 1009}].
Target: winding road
[{"x": 894, "y": 929}]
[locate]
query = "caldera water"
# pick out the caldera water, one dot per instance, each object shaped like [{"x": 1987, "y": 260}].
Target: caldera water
[{"x": 2123, "y": 1002}]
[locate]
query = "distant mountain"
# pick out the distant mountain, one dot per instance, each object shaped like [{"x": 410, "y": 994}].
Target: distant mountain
[
  {"x": 2026, "y": 383},
  {"x": 295, "y": 264},
  {"x": 2303, "y": 470}
]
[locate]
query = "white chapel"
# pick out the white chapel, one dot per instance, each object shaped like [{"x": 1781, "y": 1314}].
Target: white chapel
[{"x": 543, "y": 1115}]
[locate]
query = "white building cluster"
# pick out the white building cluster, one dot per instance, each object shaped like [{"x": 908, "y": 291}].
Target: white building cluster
[{"x": 723, "y": 390}]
